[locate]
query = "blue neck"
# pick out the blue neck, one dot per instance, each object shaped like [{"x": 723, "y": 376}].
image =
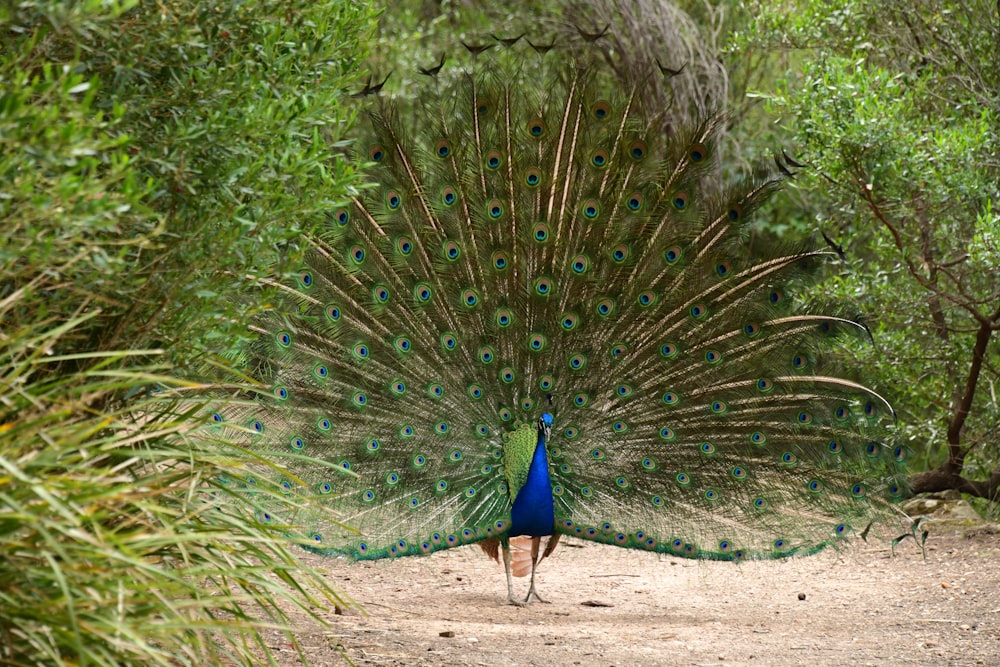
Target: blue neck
[{"x": 533, "y": 512}]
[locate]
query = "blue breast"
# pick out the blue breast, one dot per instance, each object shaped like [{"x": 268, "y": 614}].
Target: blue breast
[{"x": 532, "y": 513}]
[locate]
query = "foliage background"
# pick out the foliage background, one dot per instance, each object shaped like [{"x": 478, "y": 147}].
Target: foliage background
[{"x": 896, "y": 106}]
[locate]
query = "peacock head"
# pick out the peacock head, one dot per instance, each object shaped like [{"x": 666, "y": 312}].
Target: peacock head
[{"x": 545, "y": 425}]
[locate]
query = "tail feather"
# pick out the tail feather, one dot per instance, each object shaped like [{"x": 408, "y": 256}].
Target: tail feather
[{"x": 534, "y": 244}]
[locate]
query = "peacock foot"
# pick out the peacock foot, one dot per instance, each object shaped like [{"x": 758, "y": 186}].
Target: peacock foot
[{"x": 537, "y": 597}]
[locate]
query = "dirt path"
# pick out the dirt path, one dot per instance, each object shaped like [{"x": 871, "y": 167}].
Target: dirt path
[{"x": 861, "y": 607}]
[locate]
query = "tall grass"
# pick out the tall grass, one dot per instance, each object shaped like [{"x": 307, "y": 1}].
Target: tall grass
[{"x": 111, "y": 550}]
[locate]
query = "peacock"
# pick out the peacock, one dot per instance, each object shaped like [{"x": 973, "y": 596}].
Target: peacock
[{"x": 546, "y": 318}]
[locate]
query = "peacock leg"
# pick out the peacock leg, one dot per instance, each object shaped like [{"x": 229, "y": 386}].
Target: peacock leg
[
  {"x": 505, "y": 547},
  {"x": 535, "y": 542}
]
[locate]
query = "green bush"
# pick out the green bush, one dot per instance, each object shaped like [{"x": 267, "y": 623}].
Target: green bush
[
  {"x": 156, "y": 161},
  {"x": 896, "y": 107}
]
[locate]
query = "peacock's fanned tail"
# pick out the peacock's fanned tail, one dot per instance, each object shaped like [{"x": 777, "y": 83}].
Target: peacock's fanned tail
[{"x": 535, "y": 246}]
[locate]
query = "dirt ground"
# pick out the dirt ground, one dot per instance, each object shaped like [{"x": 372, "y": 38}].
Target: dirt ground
[{"x": 612, "y": 606}]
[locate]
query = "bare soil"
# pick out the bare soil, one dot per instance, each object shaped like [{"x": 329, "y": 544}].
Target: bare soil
[{"x": 610, "y": 606}]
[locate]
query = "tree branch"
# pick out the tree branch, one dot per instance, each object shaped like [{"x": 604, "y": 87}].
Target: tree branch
[
  {"x": 876, "y": 210},
  {"x": 942, "y": 479},
  {"x": 956, "y": 456},
  {"x": 926, "y": 250}
]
